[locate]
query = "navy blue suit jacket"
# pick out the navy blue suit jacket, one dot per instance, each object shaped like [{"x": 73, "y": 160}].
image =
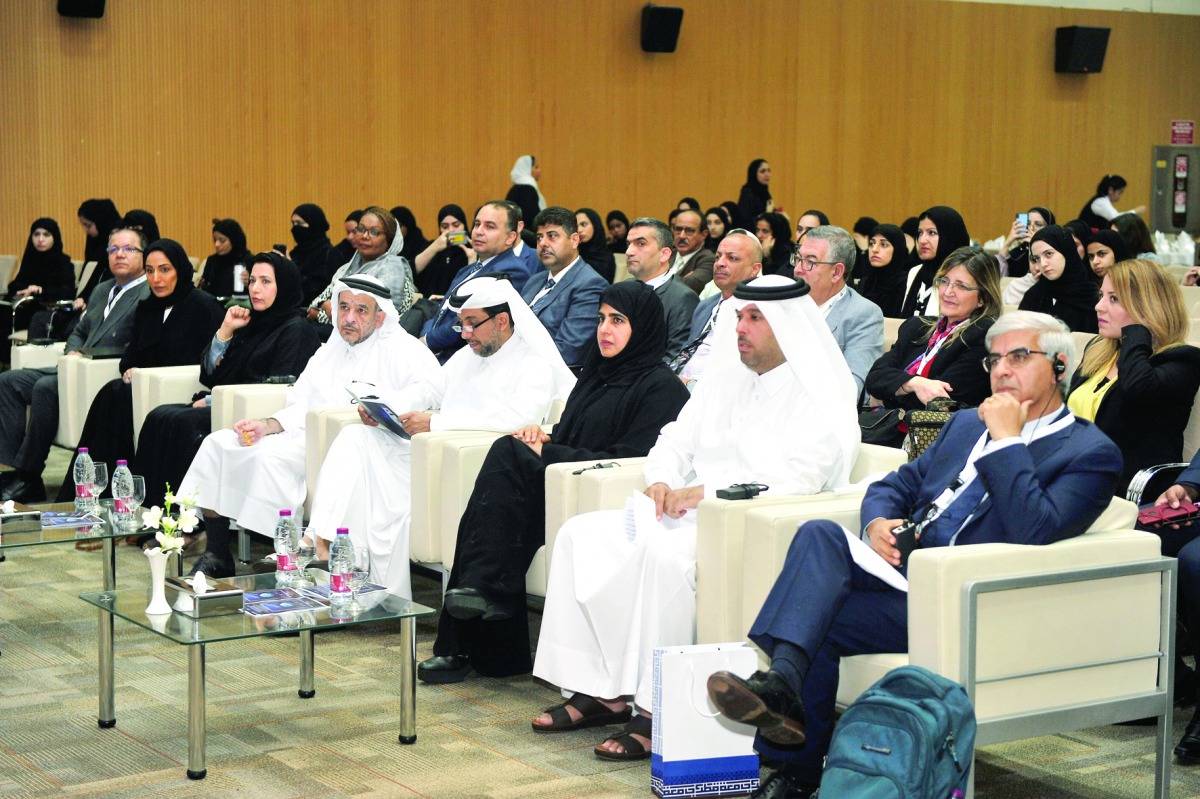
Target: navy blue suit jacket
[
  {"x": 568, "y": 311},
  {"x": 1191, "y": 475},
  {"x": 437, "y": 332},
  {"x": 1048, "y": 491}
]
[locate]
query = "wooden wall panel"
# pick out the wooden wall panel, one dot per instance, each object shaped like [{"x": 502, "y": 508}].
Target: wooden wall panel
[{"x": 880, "y": 107}]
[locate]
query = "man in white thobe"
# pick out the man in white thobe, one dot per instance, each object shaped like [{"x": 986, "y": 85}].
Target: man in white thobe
[
  {"x": 507, "y": 376},
  {"x": 250, "y": 473},
  {"x": 780, "y": 412}
]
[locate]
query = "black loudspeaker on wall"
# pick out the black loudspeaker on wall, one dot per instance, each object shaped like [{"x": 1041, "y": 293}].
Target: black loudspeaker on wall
[
  {"x": 1080, "y": 49},
  {"x": 91, "y": 9},
  {"x": 660, "y": 28}
]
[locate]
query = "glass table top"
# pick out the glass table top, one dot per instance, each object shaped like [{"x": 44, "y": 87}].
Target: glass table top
[
  {"x": 24, "y": 530},
  {"x": 130, "y": 604}
]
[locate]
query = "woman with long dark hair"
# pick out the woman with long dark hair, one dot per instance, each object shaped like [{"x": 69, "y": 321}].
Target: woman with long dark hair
[
  {"x": 623, "y": 399},
  {"x": 593, "y": 248},
  {"x": 1101, "y": 210},
  {"x": 775, "y": 236}
]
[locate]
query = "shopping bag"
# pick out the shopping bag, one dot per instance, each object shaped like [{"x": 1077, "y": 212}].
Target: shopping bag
[{"x": 695, "y": 750}]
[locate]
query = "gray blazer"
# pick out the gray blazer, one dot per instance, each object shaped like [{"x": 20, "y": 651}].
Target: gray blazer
[
  {"x": 857, "y": 326},
  {"x": 97, "y": 332},
  {"x": 679, "y": 302}
]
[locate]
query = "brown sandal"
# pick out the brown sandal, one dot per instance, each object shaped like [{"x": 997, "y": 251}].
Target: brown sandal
[
  {"x": 89, "y": 544},
  {"x": 593, "y": 713}
]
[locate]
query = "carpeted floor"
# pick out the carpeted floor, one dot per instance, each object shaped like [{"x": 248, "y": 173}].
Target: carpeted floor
[{"x": 263, "y": 741}]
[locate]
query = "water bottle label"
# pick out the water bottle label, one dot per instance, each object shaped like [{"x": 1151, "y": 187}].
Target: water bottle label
[
  {"x": 338, "y": 584},
  {"x": 83, "y": 490},
  {"x": 285, "y": 564}
]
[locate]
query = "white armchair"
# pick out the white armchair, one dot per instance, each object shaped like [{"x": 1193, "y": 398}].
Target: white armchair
[
  {"x": 161, "y": 385},
  {"x": 79, "y": 381},
  {"x": 37, "y": 356}
]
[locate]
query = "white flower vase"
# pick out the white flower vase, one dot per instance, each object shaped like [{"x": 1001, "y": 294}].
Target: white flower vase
[{"x": 158, "y": 575}]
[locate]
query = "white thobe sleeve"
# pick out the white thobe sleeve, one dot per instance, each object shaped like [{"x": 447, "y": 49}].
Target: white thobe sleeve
[{"x": 670, "y": 459}]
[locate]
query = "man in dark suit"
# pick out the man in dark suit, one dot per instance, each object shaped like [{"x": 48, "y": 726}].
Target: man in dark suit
[
  {"x": 693, "y": 263},
  {"x": 1020, "y": 469},
  {"x": 492, "y": 239},
  {"x": 648, "y": 258},
  {"x": 826, "y": 253},
  {"x": 739, "y": 258},
  {"x": 565, "y": 295},
  {"x": 105, "y": 327}
]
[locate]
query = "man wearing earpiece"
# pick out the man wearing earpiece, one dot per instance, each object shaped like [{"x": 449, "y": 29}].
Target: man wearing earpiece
[{"x": 1020, "y": 469}]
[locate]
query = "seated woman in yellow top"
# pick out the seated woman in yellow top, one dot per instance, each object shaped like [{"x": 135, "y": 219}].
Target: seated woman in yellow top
[{"x": 1138, "y": 378}]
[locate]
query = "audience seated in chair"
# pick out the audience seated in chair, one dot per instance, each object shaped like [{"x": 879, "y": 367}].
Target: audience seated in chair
[
  {"x": 648, "y": 259},
  {"x": 693, "y": 262}
]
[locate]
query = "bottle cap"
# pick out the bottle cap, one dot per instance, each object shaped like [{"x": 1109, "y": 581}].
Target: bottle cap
[
  {"x": 285, "y": 512},
  {"x": 343, "y": 531},
  {"x": 83, "y": 450},
  {"x": 122, "y": 463}
]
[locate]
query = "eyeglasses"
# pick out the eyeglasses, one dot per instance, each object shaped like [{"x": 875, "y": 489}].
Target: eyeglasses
[
  {"x": 691, "y": 231},
  {"x": 1015, "y": 358},
  {"x": 943, "y": 283},
  {"x": 127, "y": 250},
  {"x": 807, "y": 264},
  {"x": 367, "y": 232},
  {"x": 474, "y": 327}
]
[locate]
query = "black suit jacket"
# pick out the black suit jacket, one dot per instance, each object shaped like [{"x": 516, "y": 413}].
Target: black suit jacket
[
  {"x": 1147, "y": 409},
  {"x": 959, "y": 363}
]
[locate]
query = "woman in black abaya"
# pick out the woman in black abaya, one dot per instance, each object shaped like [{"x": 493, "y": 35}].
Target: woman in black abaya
[
  {"x": 222, "y": 276},
  {"x": 45, "y": 273},
  {"x": 314, "y": 254},
  {"x": 271, "y": 339},
  {"x": 883, "y": 279},
  {"x": 99, "y": 218},
  {"x": 1067, "y": 287},
  {"x": 940, "y": 231},
  {"x": 170, "y": 328},
  {"x": 623, "y": 399},
  {"x": 594, "y": 249},
  {"x": 755, "y": 197},
  {"x": 437, "y": 265}
]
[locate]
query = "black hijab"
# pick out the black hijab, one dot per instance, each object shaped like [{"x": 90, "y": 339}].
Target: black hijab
[
  {"x": 722, "y": 213},
  {"x": 318, "y": 225},
  {"x": 36, "y": 266},
  {"x": 780, "y": 260},
  {"x": 884, "y": 285},
  {"x": 1113, "y": 241},
  {"x": 414, "y": 240},
  {"x": 757, "y": 187},
  {"x": 618, "y": 245},
  {"x": 105, "y": 216},
  {"x": 218, "y": 272},
  {"x": 952, "y": 234},
  {"x": 183, "y": 275},
  {"x": 143, "y": 221},
  {"x": 435, "y": 279},
  {"x": 595, "y": 252},
  {"x": 1044, "y": 213},
  {"x": 1071, "y": 298}
]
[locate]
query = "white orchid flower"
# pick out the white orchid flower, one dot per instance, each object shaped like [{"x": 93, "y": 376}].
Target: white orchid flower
[
  {"x": 188, "y": 520},
  {"x": 169, "y": 543},
  {"x": 152, "y": 518}
]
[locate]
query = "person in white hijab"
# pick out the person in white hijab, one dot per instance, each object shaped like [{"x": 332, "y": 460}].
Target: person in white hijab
[
  {"x": 392, "y": 268},
  {"x": 508, "y": 376},
  {"x": 253, "y": 471},
  {"x": 776, "y": 407}
]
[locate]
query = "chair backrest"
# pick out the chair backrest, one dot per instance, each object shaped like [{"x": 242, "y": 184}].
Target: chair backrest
[
  {"x": 891, "y": 329},
  {"x": 874, "y": 459},
  {"x": 1191, "y": 297},
  {"x": 85, "y": 275},
  {"x": 1177, "y": 271},
  {"x": 1191, "y": 433},
  {"x": 198, "y": 273},
  {"x": 622, "y": 268},
  {"x": 1081, "y": 342},
  {"x": 78, "y": 265},
  {"x": 8, "y": 266}
]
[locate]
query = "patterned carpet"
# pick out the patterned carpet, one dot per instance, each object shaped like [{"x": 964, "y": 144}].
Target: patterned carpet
[{"x": 263, "y": 741}]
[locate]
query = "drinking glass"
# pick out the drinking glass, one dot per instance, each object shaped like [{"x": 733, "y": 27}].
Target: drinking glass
[
  {"x": 306, "y": 552},
  {"x": 98, "y": 486},
  {"x": 360, "y": 573},
  {"x": 134, "y": 503}
]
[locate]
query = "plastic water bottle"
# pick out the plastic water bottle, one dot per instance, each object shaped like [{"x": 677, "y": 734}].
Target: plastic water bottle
[
  {"x": 341, "y": 563},
  {"x": 122, "y": 491},
  {"x": 85, "y": 478},
  {"x": 286, "y": 539}
]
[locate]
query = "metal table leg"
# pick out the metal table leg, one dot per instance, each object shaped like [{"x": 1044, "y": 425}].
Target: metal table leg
[
  {"x": 104, "y": 638},
  {"x": 306, "y": 665},
  {"x": 196, "y": 713},
  {"x": 110, "y": 565},
  {"x": 408, "y": 683}
]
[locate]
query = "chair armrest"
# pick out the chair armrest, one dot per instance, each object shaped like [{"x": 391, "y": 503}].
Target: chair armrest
[
  {"x": 321, "y": 427},
  {"x": 873, "y": 459},
  {"x": 1157, "y": 478},
  {"x": 161, "y": 385},
  {"x": 37, "y": 356},
  {"x": 425, "y": 530},
  {"x": 79, "y": 381},
  {"x": 462, "y": 457},
  {"x": 233, "y": 403}
]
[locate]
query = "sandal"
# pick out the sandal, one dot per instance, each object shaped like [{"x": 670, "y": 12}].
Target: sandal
[
  {"x": 638, "y": 725},
  {"x": 593, "y": 713},
  {"x": 89, "y": 545}
]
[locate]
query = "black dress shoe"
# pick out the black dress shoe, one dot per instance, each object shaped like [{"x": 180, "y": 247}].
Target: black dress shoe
[
  {"x": 444, "y": 669},
  {"x": 1188, "y": 749},
  {"x": 213, "y": 565},
  {"x": 779, "y": 785},
  {"x": 467, "y": 603},
  {"x": 764, "y": 701},
  {"x": 23, "y": 488}
]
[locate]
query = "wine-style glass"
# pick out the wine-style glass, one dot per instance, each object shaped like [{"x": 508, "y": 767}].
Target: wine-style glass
[
  {"x": 133, "y": 502},
  {"x": 306, "y": 552},
  {"x": 99, "y": 484},
  {"x": 360, "y": 573}
]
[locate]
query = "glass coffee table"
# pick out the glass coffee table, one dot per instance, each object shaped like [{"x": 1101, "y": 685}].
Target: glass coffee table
[{"x": 130, "y": 604}]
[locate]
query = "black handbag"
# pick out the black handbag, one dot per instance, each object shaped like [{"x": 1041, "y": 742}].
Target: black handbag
[{"x": 878, "y": 426}]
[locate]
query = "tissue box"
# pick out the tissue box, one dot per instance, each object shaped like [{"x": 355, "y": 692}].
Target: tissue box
[{"x": 221, "y": 599}]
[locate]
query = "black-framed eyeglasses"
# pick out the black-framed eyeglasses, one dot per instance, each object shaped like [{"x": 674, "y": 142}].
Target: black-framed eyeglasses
[
  {"x": 807, "y": 264},
  {"x": 460, "y": 328},
  {"x": 1016, "y": 358},
  {"x": 942, "y": 283},
  {"x": 691, "y": 231},
  {"x": 368, "y": 232},
  {"x": 126, "y": 249}
]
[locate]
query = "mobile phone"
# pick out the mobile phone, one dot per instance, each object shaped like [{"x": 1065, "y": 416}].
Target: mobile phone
[
  {"x": 906, "y": 540},
  {"x": 456, "y": 237},
  {"x": 1023, "y": 221}
]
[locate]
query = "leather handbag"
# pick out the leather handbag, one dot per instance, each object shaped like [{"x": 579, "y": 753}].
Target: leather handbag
[
  {"x": 924, "y": 426},
  {"x": 878, "y": 426}
]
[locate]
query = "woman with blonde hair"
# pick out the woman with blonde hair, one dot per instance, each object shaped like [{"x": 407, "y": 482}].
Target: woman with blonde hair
[
  {"x": 1138, "y": 378},
  {"x": 939, "y": 357}
]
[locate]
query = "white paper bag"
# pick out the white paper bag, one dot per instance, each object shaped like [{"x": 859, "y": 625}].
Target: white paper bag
[{"x": 695, "y": 750}]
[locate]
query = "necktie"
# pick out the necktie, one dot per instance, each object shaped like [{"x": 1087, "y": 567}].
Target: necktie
[
  {"x": 679, "y": 361},
  {"x": 549, "y": 284},
  {"x": 941, "y": 530}
]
